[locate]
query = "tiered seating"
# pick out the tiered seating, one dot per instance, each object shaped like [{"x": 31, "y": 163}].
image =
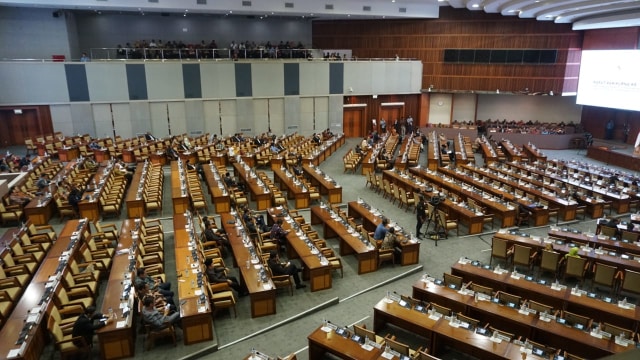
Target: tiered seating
[
  {"x": 152, "y": 187},
  {"x": 112, "y": 195},
  {"x": 198, "y": 201}
]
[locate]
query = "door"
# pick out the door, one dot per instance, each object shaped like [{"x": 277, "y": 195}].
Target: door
[
  {"x": 391, "y": 113},
  {"x": 353, "y": 122},
  {"x": 15, "y": 128}
]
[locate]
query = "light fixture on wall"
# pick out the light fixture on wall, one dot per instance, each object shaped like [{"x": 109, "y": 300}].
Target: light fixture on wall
[
  {"x": 430, "y": 87},
  {"x": 551, "y": 93},
  {"x": 17, "y": 111},
  {"x": 375, "y": 96},
  {"x": 497, "y": 91}
]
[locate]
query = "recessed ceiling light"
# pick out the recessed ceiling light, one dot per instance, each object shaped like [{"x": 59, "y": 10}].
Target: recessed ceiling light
[{"x": 475, "y": 5}]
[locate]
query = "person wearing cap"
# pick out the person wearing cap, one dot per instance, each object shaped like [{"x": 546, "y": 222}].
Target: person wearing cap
[
  {"x": 217, "y": 274},
  {"x": 279, "y": 268},
  {"x": 85, "y": 326}
]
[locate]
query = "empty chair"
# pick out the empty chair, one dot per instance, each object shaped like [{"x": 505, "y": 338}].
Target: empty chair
[
  {"x": 523, "y": 255},
  {"x": 499, "y": 332},
  {"x": 604, "y": 275},
  {"x": 539, "y": 307},
  {"x": 608, "y": 231},
  {"x": 364, "y": 333},
  {"x": 500, "y": 249},
  {"x": 577, "y": 321},
  {"x": 481, "y": 289},
  {"x": 549, "y": 262},
  {"x": 452, "y": 281},
  {"x": 541, "y": 350},
  {"x": 630, "y": 282},
  {"x": 473, "y": 323},
  {"x": 447, "y": 223},
  {"x": 441, "y": 309},
  {"x": 630, "y": 236},
  {"x": 575, "y": 267},
  {"x": 616, "y": 331},
  {"x": 509, "y": 299},
  {"x": 402, "y": 349}
]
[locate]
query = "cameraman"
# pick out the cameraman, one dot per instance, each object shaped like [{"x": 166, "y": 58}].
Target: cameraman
[{"x": 421, "y": 214}]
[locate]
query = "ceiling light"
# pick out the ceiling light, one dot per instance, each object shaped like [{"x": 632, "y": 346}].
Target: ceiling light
[{"x": 475, "y": 5}]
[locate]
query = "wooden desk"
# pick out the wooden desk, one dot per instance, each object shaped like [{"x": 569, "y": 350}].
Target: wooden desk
[
  {"x": 263, "y": 300},
  {"x": 219, "y": 195},
  {"x": 89, "y": 206},
  {"x": 533, "y": 152},
  {"x": 321, "y": 342},
  {"x": 68, "y": 153},
  {"x": 562, "y": 299},
  {"x": 597, "y": 241},
  {"x": 118, "y": 341},
  {"x": 38, "y": 335},
  {"x": 197, "y": 325},
  {"x": 410, "y": 252},
  {"x": 101, "y": 155},
  {"x": 318, "y": 274},
  {"x": 134, "y": 198},
  {"x": 294, "y": 191},
  {"x": 40, "y": 210},
  {"x": 324, "y": 183},
  {"x": 440, "y": 333},
  {"x": 367, "y": 254},
  {"x": 551, "y": 333},
  {"x": 260, "y": 194},
  {"x": 179, "y": 190}
]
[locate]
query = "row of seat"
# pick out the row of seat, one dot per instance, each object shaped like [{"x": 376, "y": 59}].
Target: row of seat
[{"x": 152, "y": 188}]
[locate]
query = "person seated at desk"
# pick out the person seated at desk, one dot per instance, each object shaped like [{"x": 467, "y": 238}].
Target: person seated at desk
[
  {"x": 94, "y": 145},
  {"x": 211, "y": 234},
  {"x": 172, "y": 153},
  {"x": 573, "y": 252},
  {"x": 389, "y": 240},
  {"x": 149, "y": 137},
  {"x": 186, "y": 144},
  {"x": 154, "y": 285},
  {"x": 278, "y": 233},
  {"x": 279, "y": 268},
  {"x": 25, "y": 161},
  {"x": 232, "y": 183},
  {"x": 153, "y": 317},
  {"x": 381, "y": 230},
  {"x": 274, "y": 148},
  {"x": 254, "y": 220},
  {"x": 143, "y": 290},
  {"x": 43, "y": 181},
  {"x": 86, "y": 324},
  {"x": 316, "y": 139},
  {"x": 218, "y": 274},
  {"x": 364, "y": 145}
]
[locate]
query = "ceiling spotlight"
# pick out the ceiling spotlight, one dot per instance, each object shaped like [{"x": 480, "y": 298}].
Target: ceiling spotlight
[
  {"x": 475, "y": 5},
  {"x": 230, "y": 11},
  {"x": 186, "y": 10}
]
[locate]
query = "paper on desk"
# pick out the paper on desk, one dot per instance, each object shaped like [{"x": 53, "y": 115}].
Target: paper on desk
[
  {"x": 367, "y": 347},
  {"x": 121, "y": 324},
  {"x": 14, "y": 353},
  {"x": 387, "y": 355},
  {"x": 33, "y": 317}
]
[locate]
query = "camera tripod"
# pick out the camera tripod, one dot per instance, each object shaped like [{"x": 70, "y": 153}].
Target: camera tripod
[{"x": 438, "y": 225}]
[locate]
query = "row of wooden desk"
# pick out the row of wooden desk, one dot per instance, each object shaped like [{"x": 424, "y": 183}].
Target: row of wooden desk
[
  {"x": 286, "y": 181},
  {"x": 262, "y": 295},
  {"x": 41, "y": 208},
  {"x": 218, "y": 192},
  {"x": 324, "y": 183},
  {"x": 179, "y": 188},
  {"x": 89, "y": 206},
  {"x": 260, "y": 194},
  {"x": 526, "y": 325},
  {"x": 315, "y": 267},
  {"x": 34, "y": 344}
]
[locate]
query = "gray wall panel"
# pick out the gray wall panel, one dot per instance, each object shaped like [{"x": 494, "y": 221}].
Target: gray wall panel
[
  {"x": 211, "y": 110},
  {"x": 61, "y": 118},
  {"x": 82, "y": 116},
  {"x": 102, "y": 120},
  {"x": 245, "y": 122},
  {"x": 292, "y": 115},
  {"x": 322, "y": 113},
  {"x": 107, "y": 81},
  {"x": 314, "y": 78},
  {"x": 122, "y": 120},
  {"x": 335, "y": 114},
  {"x": 140, "y": 117},
  {"x": 276, "y": 115},
  {"x": 336, "y": 78},
  {"x": 218, "y": 80},
  {"x": 291, "y": 79},
  {"x": 159, "y": 112},
  {"x": 261, "y": 115},
  {"x": 177, "y": 117},
  {"x": 194, "y": 111},
  {"x": 164, "y": 81},
  {"x": 228, "y": 117},
  {"x": 191, "y": 81},
  {"x": 33, "y": 83},
  {"x": 243, "y": 80},
  {"x": 357, "y": 76},
  {"x": 267, "y": 79},
  {"x": 137, "y": 82},
  {"x": 77, "y": 82}
]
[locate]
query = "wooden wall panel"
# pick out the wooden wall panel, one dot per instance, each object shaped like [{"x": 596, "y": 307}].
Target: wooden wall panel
[
  {"x": 412, "y": 106},
  {"x": 594, "y": 120},
  {"x": 611, "y": 39},
  {"x": 426, "y": 39}
]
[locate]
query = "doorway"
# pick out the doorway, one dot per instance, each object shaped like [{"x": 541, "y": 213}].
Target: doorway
[{"x": 353, "y": 122}]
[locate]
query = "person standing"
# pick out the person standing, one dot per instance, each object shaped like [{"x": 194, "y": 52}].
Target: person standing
[
  {"x": 383, "y": 126},
  {"x": 421, "y": 215},
  {"x": 609, "y": 130},
  {"x": 374, "y": 124}
]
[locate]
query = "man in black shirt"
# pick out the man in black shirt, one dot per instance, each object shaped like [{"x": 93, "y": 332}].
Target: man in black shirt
[
  {"x": 279, "y": 268},
  {"x": 216, "y": 275},
  {"x": 86, "y": 324},
  {"x": 421, "y": 214}
]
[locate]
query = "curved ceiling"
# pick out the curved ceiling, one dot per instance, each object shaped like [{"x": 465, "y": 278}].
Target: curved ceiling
[{"x": 583, "y": 14}]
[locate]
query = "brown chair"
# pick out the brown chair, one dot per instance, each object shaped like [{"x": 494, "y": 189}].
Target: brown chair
[
  {"x": 385, "y": 255},
  {"x": 452, "y": 280},
  {"x": 630, "y": 282},
  {"x": 630, "y": 236},
  {"x": 576, "y": 320},
  {"x": 155, "y": 333},
  {"x": 549, "y": 262},
  {"x": 500, "y": 249},
  {"x": 539, "y": 307},
  {"x": 473, "y": 323},
  {"x": 507, "y": 298},
  {"x": 481, "y": 289},
  {"x": 616, "y": 331},
  {"x": 523, "y": 255},
  {"x": 222, "y": 297},
  {"x": 441, "y": 309},
  {"x": 10, "y": 213},
  {"x": 501, "y": 333},
  {"x": 402, "y": 349},
  {"x": 575, "y": 267},
  {"x": 66, "y": 344},
  {"x": 608, "y": 231},
  {"x": 281, "y": 281},
  {"x": 605, "y": 275},
  {"x": 447, "y": 223}
]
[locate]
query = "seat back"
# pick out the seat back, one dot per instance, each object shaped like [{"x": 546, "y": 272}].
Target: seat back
[
  {"x": 363, "y": 332},
  {"x": 401, "y": 348},
  {"x": 509, "y": 298},
  {"x": 452, "y": 280},
  {"x": 549, "y": 261},
  {"x": 631, "y": 282},
  {"x": 539, "y": 307},
  {"x": 630, "y": 236},
  {"x": 521, "y": 255},
  {"x": 575, "y": 267},
  {"x": 608, "y": 231},
  {"x": 575, "y": 319},
  {"x": 473, "y": 323},
  {"x": 441, "y": 309},
  {"x": 616, "y": 330},
  {"x": 604, "y": 275},
  {"x": 482, "y": 289},
  {"x": 499, "y": 248}
]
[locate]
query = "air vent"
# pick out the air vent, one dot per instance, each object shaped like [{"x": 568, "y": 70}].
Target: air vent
[
  {"x": 402, "y": 10},
  {"x": 153, "y": 1},
  {"x": 246, "y": 3},
  {"x": 328, "y": 7},
  {"x": 366, "y": 8},
  {"x": 288, "y": 5},
  {"x": 201, "y": 2}
]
